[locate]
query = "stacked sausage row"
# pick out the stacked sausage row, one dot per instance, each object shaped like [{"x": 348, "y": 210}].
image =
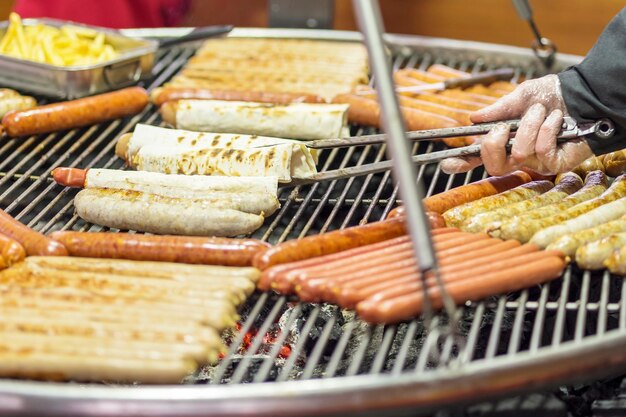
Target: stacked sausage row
[
  {"x": 111, "y": 320},
  {"x": 584, "y": 220},
  {"x": 382, "y": 281},
  {"x": 427, "y": 110}
]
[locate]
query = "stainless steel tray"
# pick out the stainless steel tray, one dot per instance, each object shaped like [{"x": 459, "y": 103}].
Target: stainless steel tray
[{"x": 133, "y": 64}]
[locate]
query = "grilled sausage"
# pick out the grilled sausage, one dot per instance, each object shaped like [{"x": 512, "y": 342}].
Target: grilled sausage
[
  {"x": 593, "y": 254},
  {"x": 569, "y": 184},
  {"x": 11, "y": 252},
  {"x": 595, "y": 184},
  {"x": 164, "y": 94},
  {"x": 15, "y": 104},
  {"x": 589, "y": 165},
  {"x": 446, "y": 72},
  {"x": 536, "y": 268},
  {"x": 365, "y": 111},
  {"x": 34, "y": 243},
  {"x": 419, "y": 75},
  {"x": 312, "y": 282},
  {"x": 332, "y": 242},
  {"x": 440, "y": 203},
  {"x": 457, "y": 215},
  {"x": 597, "y": 216},
  {"x": 616, "y": 262},
  {"x": 76, "y": 113},
  {"x": 189, "y": 250},
  {"x": 614, "y": 163},
  {"x": 524, "y": 227},
  {"x": 570, "y": 242},
  {"x": 125, "y": 210},
  {"x": 348, "y": 293}
]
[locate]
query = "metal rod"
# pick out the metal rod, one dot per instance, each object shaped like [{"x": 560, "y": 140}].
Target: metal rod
[{"x": 369, "y": 20}]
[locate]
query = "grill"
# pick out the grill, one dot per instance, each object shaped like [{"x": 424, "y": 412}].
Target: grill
[{"x": 289, "y": 357}]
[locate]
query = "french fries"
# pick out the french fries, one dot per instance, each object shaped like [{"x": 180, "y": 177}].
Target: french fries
[{"x": 65, "y": 46}]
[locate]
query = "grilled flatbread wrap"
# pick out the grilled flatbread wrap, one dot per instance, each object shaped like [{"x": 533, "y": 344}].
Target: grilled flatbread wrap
[
  {"x": 305, "y": 121},
  {"x": 301, "y": 163},
  {"x": 195, "y": 186}
]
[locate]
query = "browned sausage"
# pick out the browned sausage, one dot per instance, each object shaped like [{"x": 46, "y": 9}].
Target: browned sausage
[
  {"x": 420, "y": 75},
  {"x": 365, "y": 111},
  {"x": 614, "y": 163},
  {"x": 76, "y": 113},
  {"x": 183, "y": 249},
  {"x": 511, "y": 275},
  {"x": 310, "y": 283},
  {"x": 70, "y": 177},
  {"x": 589, "y": 165},
  {"x": 33, "y": 242},
  {"x": 332, "y": 242},
  {"x": 446, "y": 72},
  {"x": 161, "y": 95},
  {"x": 439, "y": 203},
  {"x": 11, "y": 252}
]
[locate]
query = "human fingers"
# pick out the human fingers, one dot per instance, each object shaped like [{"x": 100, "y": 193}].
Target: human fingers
[
  {"x": 510, "y": 106},
  {"x": 546, "y": 144},
  {"x": 458, "y": 165},
  {"x": 493, "y": 151},
  {"x": 526, "y": 135}
]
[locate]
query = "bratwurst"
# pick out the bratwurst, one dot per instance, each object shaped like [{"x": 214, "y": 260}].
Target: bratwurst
[{"x": 132, "y": 210}]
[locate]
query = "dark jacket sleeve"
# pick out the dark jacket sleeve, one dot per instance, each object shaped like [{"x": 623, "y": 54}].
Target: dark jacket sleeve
[{"x": 596, "y": 87}]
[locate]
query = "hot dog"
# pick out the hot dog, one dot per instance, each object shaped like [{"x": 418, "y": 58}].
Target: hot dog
[
  {"x": 76, "y": 113},
  {"x": 365, "y": 111},
  {"x": 446, "y": 72},
  {"x": 532, "y": 271},
  {"x": 191, "y": 250},
  {"x": 312, "y": 282},
  {"x": 440, "y": 203},
  {"x": 272, "y": 273},
  {"x": 163, "y": 94},
  {"x": 34, "y": 243},
  {"x": 420, "y": 75},
  {"x": 457, "y": 215},
  {"x": 332, "y": 242}
]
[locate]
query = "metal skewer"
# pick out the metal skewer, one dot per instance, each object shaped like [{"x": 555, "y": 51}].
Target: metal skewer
[{"x": 370, "y": 22}]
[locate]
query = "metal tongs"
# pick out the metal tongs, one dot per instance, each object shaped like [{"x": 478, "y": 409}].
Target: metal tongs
[{"x": 602, "y": 129}]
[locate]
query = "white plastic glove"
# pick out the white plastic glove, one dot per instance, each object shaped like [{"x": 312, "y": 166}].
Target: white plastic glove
[{"x": 540, "y": 106}]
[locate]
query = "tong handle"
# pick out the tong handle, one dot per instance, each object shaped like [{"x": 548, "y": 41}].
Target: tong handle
[
  {"x": 196, "y": 35},
  {"x": 484, "y": 78}
]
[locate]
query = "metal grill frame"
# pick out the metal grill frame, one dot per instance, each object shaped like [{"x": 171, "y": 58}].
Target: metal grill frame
[{"x": 580, "y": 356}]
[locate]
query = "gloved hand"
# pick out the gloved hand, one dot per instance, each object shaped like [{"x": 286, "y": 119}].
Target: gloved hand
[{"x": 541, "y": 108}]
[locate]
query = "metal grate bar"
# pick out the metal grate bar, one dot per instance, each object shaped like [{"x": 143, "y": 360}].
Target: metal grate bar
[
  {"x": 535, "y": 340},
  {"x": 602, "y": 307},
  {"x": 582, "y": 311},
  {"x": 234, "y": 347},
  {"x": 242, "y": 367},
  {"x": 286, "y": 369},
  {"x": 316, "y": 354},
  {"x": 494, "y": 338},
  {"x": 518, "y": 325},
  {"x": 557, "y": 335},
  {"x": 264, "y": 370},
  {"x": 381, "y": 354},
  {"x": 409, "y": 339},
  {"x": 339, "y": 351}
]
